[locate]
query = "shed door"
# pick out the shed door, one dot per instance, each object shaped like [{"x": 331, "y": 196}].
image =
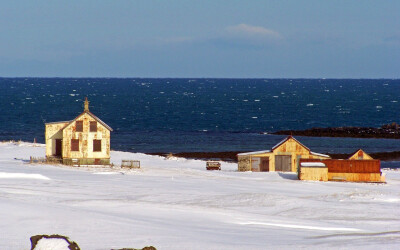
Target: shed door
[
  {"x": 264, "y": 165},
  {"x": 283, "y": 163},
  {"x": 255, "y": 164},
  {"x": 58, "y": 147}
]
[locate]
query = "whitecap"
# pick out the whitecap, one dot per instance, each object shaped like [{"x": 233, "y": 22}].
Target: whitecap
[
  {"x": 254, "y": 117},
  {"x": 310, "y": 104},
  {"x": 256, "y": 100},
  {"x": 378, "y": 107},
  {"x": 275, "y": 96}
]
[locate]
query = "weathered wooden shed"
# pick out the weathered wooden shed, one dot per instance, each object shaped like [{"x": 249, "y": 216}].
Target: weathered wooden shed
[
  {"x": 284, "y": 156},
  {"x": 85, "y": 140},
  {"x": 349, "y": 170}
]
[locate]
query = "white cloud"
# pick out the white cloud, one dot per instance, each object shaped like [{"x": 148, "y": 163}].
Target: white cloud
[{"x": 246, "y": 30}]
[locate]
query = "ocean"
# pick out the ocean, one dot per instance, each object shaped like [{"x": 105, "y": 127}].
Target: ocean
[{"x": 204, "y": 115}]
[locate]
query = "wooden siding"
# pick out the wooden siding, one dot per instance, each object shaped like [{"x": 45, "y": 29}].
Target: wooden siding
[
  {"x": 314, "y": 173},
  {"x": 350, "y": 166},
  {"x": 356, "y": 177}
]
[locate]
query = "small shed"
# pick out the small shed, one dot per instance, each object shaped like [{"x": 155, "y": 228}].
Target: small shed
[
  {"x": 351, "y": 170},
  {"x": 313, "y": 171},
  {"x": 284, "y": 156},
  {"x": 84, "y": 140}
]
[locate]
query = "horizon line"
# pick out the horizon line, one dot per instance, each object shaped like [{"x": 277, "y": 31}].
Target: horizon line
[{"x": 238, "y": 78}]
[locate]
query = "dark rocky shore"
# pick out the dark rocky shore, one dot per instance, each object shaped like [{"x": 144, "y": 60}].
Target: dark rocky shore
[
  {"x": 232, "y": 155},
  {"x": 389, "y": 131}
]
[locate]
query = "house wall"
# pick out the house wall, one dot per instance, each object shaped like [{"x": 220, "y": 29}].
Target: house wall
[
  {"x": 86, "y": 142},
  {"x": 52, "y": 132}
]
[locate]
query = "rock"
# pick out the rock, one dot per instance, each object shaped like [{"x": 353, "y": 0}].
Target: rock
[{"x": 52, "y": 242}]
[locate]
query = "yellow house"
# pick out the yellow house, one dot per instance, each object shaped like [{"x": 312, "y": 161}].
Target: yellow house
[
  {"x": 85, "y": 140},
  {"x": 284, "y": 156},
  {"x": 360, "y": 155}
]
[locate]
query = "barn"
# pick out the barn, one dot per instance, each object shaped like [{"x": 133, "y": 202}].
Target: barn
[
  {"x": 284, "y": 156},
  {"x": 83, "y": 141}
]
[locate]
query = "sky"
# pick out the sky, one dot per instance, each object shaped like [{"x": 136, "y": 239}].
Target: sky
[{"x": 221, "y": 39}]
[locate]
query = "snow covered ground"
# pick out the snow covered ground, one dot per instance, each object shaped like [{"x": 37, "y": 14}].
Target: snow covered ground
[{"x": 177, "y": 204}]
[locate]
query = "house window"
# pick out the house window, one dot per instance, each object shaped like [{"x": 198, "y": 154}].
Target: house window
[
  {"x": 96, "y": 145},
  {"x": 74, "y": 144},
  {"x": 79, "y": 126},
  {"x": 93, "y": 126}
]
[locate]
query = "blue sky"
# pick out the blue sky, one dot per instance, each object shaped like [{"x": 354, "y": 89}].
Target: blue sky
[{"x": 233, "y": 39}]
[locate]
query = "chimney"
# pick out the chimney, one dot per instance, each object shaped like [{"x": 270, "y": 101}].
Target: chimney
[{"x": 86, "y": 107}]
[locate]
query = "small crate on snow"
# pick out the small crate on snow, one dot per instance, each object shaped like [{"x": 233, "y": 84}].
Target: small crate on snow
[
  {"x": 130, "y": 164},
  {"x": 213, "y": 165}
]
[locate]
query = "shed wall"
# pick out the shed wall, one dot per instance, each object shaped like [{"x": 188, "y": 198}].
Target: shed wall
[{"x": 314, "y": 173}]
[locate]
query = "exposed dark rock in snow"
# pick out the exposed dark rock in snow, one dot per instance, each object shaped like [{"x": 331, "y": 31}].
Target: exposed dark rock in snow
[{"x": 53, "y": 242}]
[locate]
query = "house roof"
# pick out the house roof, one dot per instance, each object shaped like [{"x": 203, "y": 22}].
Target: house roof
[
  {"x": 286, "y": 139},
  {"x": 93, "y": 116}
]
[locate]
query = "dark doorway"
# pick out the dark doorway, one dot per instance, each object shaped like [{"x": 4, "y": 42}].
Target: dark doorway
[
  {"x": 264, "y": 165},
  {"x": 58, "y": 147},
  {"x": 283, "y": 163}
]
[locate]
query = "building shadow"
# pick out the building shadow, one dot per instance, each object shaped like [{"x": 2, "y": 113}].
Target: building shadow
[{"x": 288, "y": 176}]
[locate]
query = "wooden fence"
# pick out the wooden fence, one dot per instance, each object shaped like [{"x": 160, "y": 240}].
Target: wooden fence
[{"x": 130, "y": 164}]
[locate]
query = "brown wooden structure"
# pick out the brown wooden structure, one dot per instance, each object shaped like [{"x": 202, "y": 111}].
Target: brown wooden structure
[
  {"x": 350, "y": 170},
  {"x": 283, "y": 157},
  {"x": 213, "y": 165}
]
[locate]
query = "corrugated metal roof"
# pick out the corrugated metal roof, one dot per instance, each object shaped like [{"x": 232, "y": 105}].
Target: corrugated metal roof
[
  {"x": 255, "y": 152},
  {"x": 318, "y": 154}
]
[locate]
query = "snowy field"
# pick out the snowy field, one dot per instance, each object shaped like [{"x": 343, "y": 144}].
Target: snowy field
[{"x": 177, "y": 204}]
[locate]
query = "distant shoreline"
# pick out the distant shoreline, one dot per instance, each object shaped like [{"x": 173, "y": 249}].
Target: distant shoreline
[
  {"x": 231, "y": 156},
  {"x": 389, "y": 131}
]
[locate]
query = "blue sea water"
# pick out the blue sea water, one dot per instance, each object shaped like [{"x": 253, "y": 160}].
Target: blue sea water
[{"x": 182, "y": 115}]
